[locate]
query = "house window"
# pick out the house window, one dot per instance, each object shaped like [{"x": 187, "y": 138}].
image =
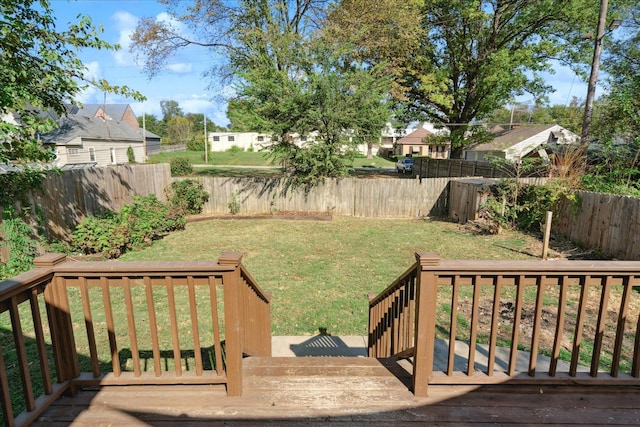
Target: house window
[
  {"x": 260, "y": 138},
  {"x": 92, "y": 154},
  {"x": 232, "y": 138},
  {"x": 113, "y": 155},
  {"x": 216, "y": 139},
  {"x": 303, "y": 138},
  {"x": 73, "y": 151}
]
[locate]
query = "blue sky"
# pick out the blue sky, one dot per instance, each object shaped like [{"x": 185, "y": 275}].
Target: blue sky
[{"x": 182, "y": 80}]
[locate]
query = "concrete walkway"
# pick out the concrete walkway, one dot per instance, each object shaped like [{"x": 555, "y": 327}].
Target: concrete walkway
[{"x": 356, "y": 346}]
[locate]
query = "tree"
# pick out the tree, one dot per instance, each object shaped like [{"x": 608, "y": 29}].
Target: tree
[
  {"x": 170, "y": 109},
  {"x": 476, "y": 56},
  {"x": 179, "y": 130},
  {"x": 152, "y": 124},
  {"x": 40, "y": 70}
]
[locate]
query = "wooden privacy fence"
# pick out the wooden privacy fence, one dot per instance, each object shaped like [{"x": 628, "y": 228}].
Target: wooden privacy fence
[
  {"x": 583, "y": 315},
  {"x": 605, "y": 221},
  {"x": 67, "y": 197},
  {"x": 146, "y": 323},
  {"x": 369, "y": 198},
  {"x": 426, "y": 167}
]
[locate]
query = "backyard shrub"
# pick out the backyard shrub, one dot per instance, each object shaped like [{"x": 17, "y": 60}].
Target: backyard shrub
[
  {"x": 135, "y": 226},
  {"x": 195, "y": 145},
  {"x": 187, "y": 196},
  {"x": 235, "y": 149},
  {"x": 180, "y": 166},
  {"x": 18, "y": 236},
  {"x": 101, "y": 235},
  {"x": 131, "y": 157}
]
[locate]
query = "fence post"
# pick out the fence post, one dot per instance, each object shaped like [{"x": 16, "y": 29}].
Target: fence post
[
  {"x": 425, "y": 335},
  {"x": 60, "y": 323},
  {"x": 233, "y": 315}
]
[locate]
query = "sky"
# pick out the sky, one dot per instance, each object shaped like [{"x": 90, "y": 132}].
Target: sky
[{"x": 183, "y": 80}]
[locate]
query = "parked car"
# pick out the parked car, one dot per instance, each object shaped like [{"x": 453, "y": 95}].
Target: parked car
[{"x": 404, "y": 165}]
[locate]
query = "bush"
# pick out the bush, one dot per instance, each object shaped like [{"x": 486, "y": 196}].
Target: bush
[
  {"x": 18, "y": 236},
  {"x": 195, "y": 145},
  {"x": 235, "y": 149},
  {"x": 131, "y": 157},
  {"x": 180, "y": 166},
  {"x": 101, "y": 235},
  {"x": 136, "y": 225},
  {"x": 187, "y": 196}
]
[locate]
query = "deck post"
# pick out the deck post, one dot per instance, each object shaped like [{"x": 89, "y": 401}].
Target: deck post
[
  {"x": 59, "y": 313},
  {"x": 425, "y": 333},
  {"x": 233, "y": 315}
]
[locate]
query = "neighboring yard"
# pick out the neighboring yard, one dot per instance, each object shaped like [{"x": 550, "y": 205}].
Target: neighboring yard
[
  {"x": 320, "y": 272},
  {"x": 249, "y": 158}
]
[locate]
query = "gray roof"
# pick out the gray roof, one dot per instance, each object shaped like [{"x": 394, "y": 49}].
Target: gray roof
[
  {"x": 72, "y": 127},
  {"x": 114, "y": 111},
  {"x": 511, "y": 137}
]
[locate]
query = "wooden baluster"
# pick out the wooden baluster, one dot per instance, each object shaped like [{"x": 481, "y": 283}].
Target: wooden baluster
[
  {"x": 600, "y": 326},
  {"x": 41, "y": 343},
  {"x": 453, "y": 325},
  {"x": 517, "y": 318},
  {"x": 557, "y": 340},
  {"x": 88, "y": 322},
  {"x": 473, "y": 335},
  {"x": 111, "y": 329},
  {"x": 495, "y": 314},
  {"x": 21, "y": 353},
  {"x": 577, "y": 339},
  {"x": 5, "y": 393},
  {"x": 173, "y": 320},
  {"x": 194, "y": 325},
  {"x": 131, "y": 323},
  {"x": 622, "y": 320},
  {"x": 153, "y": 326},
  {"x": 535, "y": 339}
]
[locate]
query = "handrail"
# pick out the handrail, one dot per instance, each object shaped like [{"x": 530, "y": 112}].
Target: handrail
[
  {"x": 568, "y": 301},
  {"x": 121, "y": 312}
]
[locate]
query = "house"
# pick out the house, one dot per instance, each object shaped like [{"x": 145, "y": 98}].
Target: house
[
  {"x": 99, "y": 134},
  {"x": 223, "y": 141},
  {"x": 418, "y": 143},
  {"x": 93, "y": 140},
  {"x": 520, "y": 142}
]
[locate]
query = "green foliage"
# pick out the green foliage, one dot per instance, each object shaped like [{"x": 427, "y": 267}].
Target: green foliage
[
  {"x": 196, "y": 144},
  {"x": 40, "y": 69},
  {"x": 485, "y": 52},
  {"x": 136, "y": 225},
  {"x": 18, "y": 236},
  {"x": 187, "y": 196},
  {"x": 235, "y": 149},
  {"x": 131, "y": 157},
  {"x": 234, "y": 204},
  {"x": 512, "y": 204},
  {"x": 180, "y": 166},
  {"x": 614, "y": 168},
  {"x": 179, "y": 130},
  {"x": 101, "y": 235},
  {"x": 15, "y": 185}
]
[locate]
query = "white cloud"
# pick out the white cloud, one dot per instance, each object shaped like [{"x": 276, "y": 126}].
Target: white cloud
[
  {"x": 126, "y": 24},
  {"x": 180, "y": 68},
  {"x": 93, "y": 72}
]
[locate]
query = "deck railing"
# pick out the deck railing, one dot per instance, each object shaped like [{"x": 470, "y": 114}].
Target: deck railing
[
  {"x": 95, "y": 323},
  {"x": 571, "y": 321}
]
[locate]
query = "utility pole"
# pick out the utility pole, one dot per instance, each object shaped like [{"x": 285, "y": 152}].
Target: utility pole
[
  {"x": 593, "y": 78},
  {"x": 206, "y": 139}
]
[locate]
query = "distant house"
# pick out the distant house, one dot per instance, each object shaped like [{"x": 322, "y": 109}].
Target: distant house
[
  {"x": 222, "y": 141},
  {"x": 417, "y": 143},
  {"x": 521, "y": 142},
  {"x": 90, "y": 140},
  {"x": 99, "y": 134}
]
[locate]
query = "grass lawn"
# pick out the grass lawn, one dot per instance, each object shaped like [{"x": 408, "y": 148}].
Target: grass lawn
[
  {"x": 320, "y": 272},
  {"x": 249, "y": 158}
]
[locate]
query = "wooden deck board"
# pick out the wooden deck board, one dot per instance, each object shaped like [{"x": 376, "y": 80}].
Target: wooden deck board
[{"x": 335, "y": 392}]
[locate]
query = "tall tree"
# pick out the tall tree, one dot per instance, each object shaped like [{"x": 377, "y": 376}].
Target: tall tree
[
  {"x": 152, "y": 124},
  {"x": 476, "y": 55},
  {"x": 170, "y": 109},
  {"x": 40, "y": 70},
  {"x": 179, "y": 130}
]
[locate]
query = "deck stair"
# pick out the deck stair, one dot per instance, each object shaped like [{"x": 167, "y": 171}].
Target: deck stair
[{"x": 341, "y": 391}]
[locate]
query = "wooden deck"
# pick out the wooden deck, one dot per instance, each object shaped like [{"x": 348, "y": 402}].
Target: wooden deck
[{"x": 343, "y": 391}]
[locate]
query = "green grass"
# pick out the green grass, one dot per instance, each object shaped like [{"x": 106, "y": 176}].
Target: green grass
[
  {"x": 320, "y": 272},
  {"x": 250, "y": 158}
]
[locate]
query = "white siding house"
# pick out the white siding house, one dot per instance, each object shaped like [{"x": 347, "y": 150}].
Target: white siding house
[
  {"x": 92, "y": 140},
  {"x": 521, "y": 142},
  {"x": 223, "y": 141}
]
